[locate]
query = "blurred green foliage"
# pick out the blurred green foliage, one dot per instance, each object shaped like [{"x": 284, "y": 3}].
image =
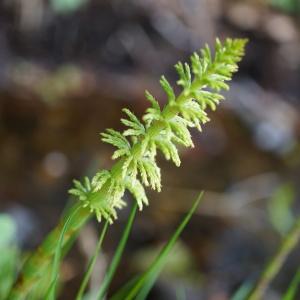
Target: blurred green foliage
[
  {"x": 291, "y": 292},
  {"x": 9, "y": 254},
  {"x": 290, "y": 6},
  {"x": 243, "y": 291},
  {"x": 280, "y": 208},
  {"x": 66, "y": 6},
  {"x": 179, "y": 262}
]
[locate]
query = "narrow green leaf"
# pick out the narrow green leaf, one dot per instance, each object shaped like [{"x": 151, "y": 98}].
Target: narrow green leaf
[
  {"x": 146, "y": 281},
  {"x": 92, "y": 262},
  {"x": 293, "y": 287},
  {"x": 56, "y": 262},
  {"x": 125, "y": 289},
  {"x": 243, "y": 291},
  {"x": 117, "y": 257}
]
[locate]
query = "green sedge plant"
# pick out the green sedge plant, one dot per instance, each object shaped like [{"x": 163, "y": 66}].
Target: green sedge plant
[{"x": 160, "y": 129}]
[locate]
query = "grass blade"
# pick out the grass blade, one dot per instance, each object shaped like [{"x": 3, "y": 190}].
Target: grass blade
[
  {"x": 117, "y": 257},
  {"x": 56, "y": 262},
  {"x": 293, "y": 287},
  {"x": 243, "y": 291},
  {"x": 146, "y": 281},
  {"x": 273, "y": 267},
  {"x": 92, "y": 262},
  {"x": 125, "y": 289}
]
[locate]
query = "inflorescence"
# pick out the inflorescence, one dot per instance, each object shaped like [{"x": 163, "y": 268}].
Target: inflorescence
[{"x": 161, "y": 129}]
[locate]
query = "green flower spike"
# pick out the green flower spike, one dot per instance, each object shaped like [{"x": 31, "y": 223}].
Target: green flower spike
[{"x": 161, "y": 129}]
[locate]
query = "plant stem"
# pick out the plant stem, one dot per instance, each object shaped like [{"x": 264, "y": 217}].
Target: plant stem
[
  {"x": 117, "y": 257},
  {"x": 274, "y": 266},
  {"x": 92, "y": 262},
  {"x": 57, "y": 257},
  {"x": 293, "y": 287},
  {"x": 38, "y": 263}
]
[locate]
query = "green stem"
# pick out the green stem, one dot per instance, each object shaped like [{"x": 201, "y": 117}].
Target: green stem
[
  {"x": 39, "y": 262},
  {"x": 117, "y": 257},
  {"x": 92, "y": 262},
  {"x": 57, "y": 257},
  {"x": 293, "y": 287},
  {"x": 274, "y": 266}
]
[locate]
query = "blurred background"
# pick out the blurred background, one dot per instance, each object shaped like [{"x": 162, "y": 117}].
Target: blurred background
[{"x": 68, "y": 67}]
